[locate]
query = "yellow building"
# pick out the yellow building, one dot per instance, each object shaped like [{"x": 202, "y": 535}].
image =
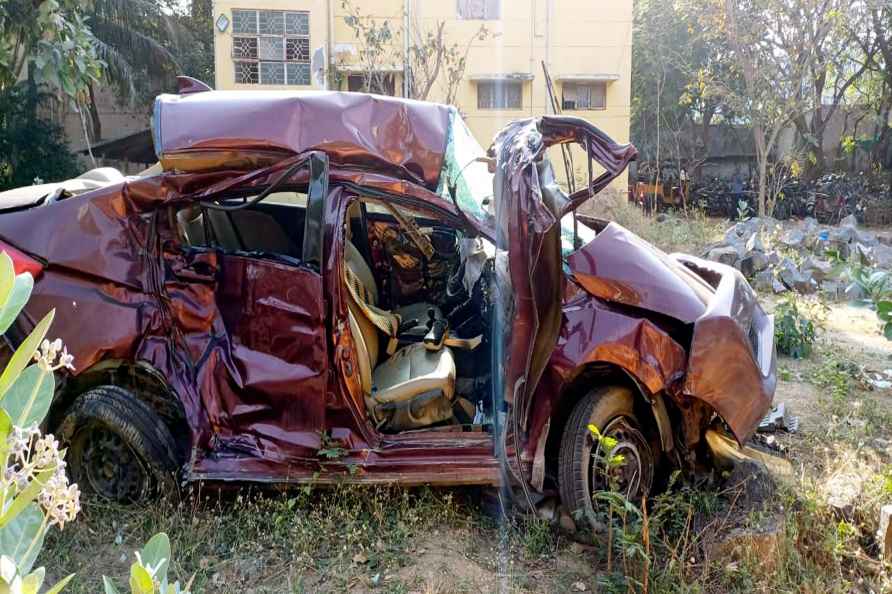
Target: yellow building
[{"x": 307, "y": 44}]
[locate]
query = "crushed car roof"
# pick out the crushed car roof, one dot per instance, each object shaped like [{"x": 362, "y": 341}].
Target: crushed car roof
[{"x": 210, "y": 130}]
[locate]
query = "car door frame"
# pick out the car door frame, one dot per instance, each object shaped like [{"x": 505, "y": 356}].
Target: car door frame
[{"x": 313, "y": 169}]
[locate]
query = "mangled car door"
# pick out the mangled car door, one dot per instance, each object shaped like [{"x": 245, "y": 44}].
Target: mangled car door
[
  {"x": 262, "y": 376},
  {"x": 529, "y": 207}
]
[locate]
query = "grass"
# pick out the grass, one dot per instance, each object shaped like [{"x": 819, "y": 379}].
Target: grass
[
  {"x": 672, "y": 232},
  {"x": 328, "y": 539}
]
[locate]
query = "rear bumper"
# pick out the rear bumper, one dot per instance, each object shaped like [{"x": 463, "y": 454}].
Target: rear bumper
[{"x": 732, "y": 360}]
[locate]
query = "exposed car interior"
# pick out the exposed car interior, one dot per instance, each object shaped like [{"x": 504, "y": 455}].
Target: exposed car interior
[
  {"x": 419, "y": 318},
  {"x": 418, "y": 299},
  {"x": 273, "y": 226}
]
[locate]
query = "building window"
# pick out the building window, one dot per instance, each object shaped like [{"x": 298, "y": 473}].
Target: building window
[
  {"x": 488, "y": 10},
  {"x": 500, "y": 95},
  {"x": 382, "y": 84},
  {"x": 580, "y": 96},
  {"x": 271, "y": 47}
]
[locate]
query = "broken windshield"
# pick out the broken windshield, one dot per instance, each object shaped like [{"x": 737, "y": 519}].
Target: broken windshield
[{"x": 466, "y": 170}]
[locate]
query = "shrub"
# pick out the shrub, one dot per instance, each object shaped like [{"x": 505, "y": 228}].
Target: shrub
[
  {"x": 794, "y": 328},
  {"x": 34, "y": 490},
  {"x": 30, "y": 146},
  {"x": 148, "y": 574},
  {"x": 875, "y": 287}
]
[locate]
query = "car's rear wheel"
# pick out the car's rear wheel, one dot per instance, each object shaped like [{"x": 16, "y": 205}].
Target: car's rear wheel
[
  {"x": 584, "y": 467},
  {"x": 118, "y": 448}
]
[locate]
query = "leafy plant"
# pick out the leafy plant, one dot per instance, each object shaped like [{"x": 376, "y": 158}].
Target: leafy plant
[
  {"x": 884, "y": 313},
  {"x": 148, "y": 574},
  {"x": 50, "y": 41},
  {"x": 31, "y": 146},
  {"x": 34, "y": 490},
  {"x": 875, "y": 287},
  {"x": 743, "y": 210},
  {"x": 873, "y": 284},
  {"x": 794, "y": 329}
]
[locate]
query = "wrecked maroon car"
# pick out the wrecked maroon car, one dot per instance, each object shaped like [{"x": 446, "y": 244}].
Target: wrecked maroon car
[{"x": 338, "y": 287}]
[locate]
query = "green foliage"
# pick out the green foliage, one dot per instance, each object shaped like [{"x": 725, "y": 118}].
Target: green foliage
[
  {"x": 743, "y": 210},
  {"x": 148, "y": 574},
  {"x": 30, "y": 146},
  {"x": 34, "y": 491},
  {"x": 794, "y": 328},
  {"x": 876, "y": 288},
  {"x": 835, "y": 377},
  {"x": 667, "y": 96},
  {"x": 145, "y": 43},
  {"x": 538, "y": 537},
  {"x": 49, "y": 40},
  {"x": 873, "y": 284},
  {"x": 884, "y": 313}
]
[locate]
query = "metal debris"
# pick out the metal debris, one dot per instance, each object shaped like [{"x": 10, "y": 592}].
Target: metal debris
[{"x": 778, "y": 420}]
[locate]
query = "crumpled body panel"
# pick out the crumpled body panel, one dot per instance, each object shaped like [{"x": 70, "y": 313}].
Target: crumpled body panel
[
  {"x": 593, "y": 332},
  {"x": 206, "y": 131},
  {"x": 619, "y": 266},
  {"x": 256, "y": 347},
  {"x": 730, "y": 362}
]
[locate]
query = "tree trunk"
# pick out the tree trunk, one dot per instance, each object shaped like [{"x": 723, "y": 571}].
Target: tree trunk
[
  {"x": 762, "y": 163},
  {"x": 881, "y": 150},
  {"x": 96, "y": 124}
]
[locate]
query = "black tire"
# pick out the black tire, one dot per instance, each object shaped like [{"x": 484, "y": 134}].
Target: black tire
[
  {"x": 118, "y": 447},
  {"x": 611, "y": 410}
]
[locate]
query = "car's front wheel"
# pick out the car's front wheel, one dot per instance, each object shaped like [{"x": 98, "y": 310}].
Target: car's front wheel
[
  {"x": 118, "y": 448},
  {"x": 621, "y": 459}
]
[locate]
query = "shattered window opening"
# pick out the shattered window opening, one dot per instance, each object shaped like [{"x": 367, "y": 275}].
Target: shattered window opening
[
  {"x": 500, "y": 94},
  {"x": 271, "y": 47}
]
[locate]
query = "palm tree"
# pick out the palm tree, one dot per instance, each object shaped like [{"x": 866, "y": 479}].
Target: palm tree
[{"x": 139, "y": 40}]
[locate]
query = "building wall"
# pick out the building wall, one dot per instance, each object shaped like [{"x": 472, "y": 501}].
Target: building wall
[{"x": 573, "y": 37}]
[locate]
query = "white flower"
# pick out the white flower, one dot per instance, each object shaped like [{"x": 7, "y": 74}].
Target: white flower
[
  {"x": 48, "y": 353},
  {"x": 60, "y": 500},
  {"x": 66, "y": 360}
]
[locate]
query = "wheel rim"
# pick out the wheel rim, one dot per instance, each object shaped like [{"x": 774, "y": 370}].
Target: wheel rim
[
  {"x": 634, "y": 475},
  {"x": 110, "y": 466}
]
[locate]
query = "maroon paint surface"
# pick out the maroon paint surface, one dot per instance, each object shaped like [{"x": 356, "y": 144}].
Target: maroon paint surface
[{"x": 257, "y": 350}]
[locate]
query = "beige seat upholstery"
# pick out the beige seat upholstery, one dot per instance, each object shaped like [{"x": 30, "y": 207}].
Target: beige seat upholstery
[
  {"x": 236, "y": 230},
  {"x": 412, "y": 370},
  {"x": 361, "y": 270},
  {"x": 414, "y": 388}
]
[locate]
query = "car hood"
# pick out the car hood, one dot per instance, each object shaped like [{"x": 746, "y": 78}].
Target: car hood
[
  {"x": 731, "y": 357},
  {"x": 620, "y": 267}
]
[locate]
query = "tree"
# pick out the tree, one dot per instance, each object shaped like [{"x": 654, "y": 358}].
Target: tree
[
  {"x": 376, "y": 41},
  {"x": 44, "y": 45},
  {"x": 830, "y": 29},
  {"x": 30, "y": 147},
  {"x": 146, "y": 43},
  {"x": 47, "y": 41},
  {"x": 761, "y": 79},
  {"x": 434, "y": 63},
  {"x": 879, "y": 31}
]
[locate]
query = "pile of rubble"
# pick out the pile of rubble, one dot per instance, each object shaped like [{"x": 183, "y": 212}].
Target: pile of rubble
[{"x": 802, "y": 256}]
